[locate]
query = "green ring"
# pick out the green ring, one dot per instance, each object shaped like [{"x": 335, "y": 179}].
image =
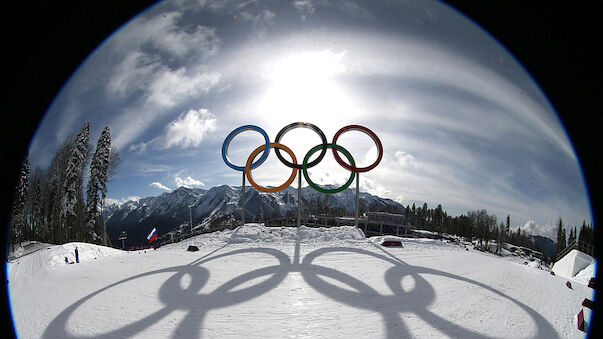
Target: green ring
[{"x": 318, "y": 188}]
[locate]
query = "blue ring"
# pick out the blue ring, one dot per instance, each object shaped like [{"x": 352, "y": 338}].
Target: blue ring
[{"x": 234, "y": 134}]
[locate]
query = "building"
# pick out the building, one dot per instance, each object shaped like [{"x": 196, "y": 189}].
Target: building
[
  {"x": 388, "y": 223},
  {"x": 386, "y": 218}
]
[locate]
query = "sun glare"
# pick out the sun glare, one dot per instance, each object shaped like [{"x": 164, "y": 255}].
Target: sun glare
[{"x": 303, "y": 87}]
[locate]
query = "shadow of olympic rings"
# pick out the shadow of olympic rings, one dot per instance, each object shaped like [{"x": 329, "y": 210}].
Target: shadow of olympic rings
[
  {"x": 365, "y": 297},
  {"x": 362, "y": 296}
]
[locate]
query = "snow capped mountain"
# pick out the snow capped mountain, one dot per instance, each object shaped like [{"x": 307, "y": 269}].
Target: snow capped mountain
[{"x": 169, "y": 211}]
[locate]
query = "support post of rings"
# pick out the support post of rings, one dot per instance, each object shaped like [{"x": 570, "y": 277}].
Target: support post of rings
[
  {"x": 299, "y": 200},
  {"x": 225, "y": 145},
  {"x": 323, "y": 138},
  {"x": 352, "y": 167},
  {"x": 357, "y": 197},
  {"x": 243, "y": 201}
]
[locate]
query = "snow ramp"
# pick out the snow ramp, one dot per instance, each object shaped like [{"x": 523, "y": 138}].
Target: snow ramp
[{"x": 572, "y": 263}]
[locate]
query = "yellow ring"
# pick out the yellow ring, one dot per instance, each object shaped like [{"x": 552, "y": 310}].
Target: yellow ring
[{"x": 252, "y": 157}]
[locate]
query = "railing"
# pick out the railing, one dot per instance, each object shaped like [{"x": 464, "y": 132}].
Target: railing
[{"x": 578, "y": 245}]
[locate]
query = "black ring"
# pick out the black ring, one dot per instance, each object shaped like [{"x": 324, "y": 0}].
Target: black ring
[{"x": 294, "y": 125}]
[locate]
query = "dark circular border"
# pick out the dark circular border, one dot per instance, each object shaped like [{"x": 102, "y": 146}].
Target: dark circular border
[
  {"x": 370, "y": 134},
  {"x": 318, "y": 188},
  {"x": 252, "y": 156},
  {"x": 295, "y": 125},
  {"x": 236, "y": 132}
]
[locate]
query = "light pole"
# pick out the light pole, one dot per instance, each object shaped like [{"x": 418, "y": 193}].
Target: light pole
[{"x": 190, "y": 215}]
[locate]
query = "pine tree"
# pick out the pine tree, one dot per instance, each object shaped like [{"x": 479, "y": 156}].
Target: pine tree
[
  {"x": 564, "y": 238},
  {"x": 508, "y": 226},
  {"x": 560, "y": 237},
  {"x": 97, "y": 184},
  {"x": 72, "y": 197},
  {"x": 583, "y": 237},
  {"x": 571, "y": 238},
  {"x": 35, "y": 204},
  {"x": 437, "y": 218},
  {"x": 52, "y": 192},
  {"x": 19, "y": 219},
  {"x": 499, "y": 238}
]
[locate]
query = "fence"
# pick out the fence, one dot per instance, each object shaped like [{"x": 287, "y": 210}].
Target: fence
[{"x": 578, "y": 245}]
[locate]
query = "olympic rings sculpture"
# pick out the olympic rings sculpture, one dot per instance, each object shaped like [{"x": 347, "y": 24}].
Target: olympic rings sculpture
[{"x": 306, "y": 163}]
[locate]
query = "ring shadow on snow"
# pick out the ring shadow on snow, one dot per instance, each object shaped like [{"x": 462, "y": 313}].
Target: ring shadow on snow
[{"x": 362, "y": 296}]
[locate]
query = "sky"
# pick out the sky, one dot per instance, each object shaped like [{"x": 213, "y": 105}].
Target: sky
[{"x": 461, "y": 122}]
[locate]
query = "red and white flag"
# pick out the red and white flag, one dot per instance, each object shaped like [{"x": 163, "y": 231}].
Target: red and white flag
[{"x": 152, "y": 236}]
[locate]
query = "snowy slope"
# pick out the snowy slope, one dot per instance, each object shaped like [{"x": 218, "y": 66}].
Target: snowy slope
[
  {"x": 282, "y": 282},
  {"x": 48, "y": 257}
]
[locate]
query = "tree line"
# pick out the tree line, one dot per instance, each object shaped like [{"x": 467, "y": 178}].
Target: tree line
[
  {"x": 52, "y": 205},
  {"x": 479, "y": 225},
  {"x": 582, "y": 241}
]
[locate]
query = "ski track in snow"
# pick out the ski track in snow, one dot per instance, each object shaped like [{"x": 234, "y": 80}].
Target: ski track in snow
[{"x": 274, "y": 282}]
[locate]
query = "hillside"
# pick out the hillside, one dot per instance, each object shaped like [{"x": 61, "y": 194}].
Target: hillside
[{"x": 275, "y": 282}]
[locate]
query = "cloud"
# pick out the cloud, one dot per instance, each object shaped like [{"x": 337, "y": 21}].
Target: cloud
[
  {"x": 169, "y": 88},
  {"x": 248, "y": 11},
  {"x": 256, "y": 18},
  {"x": 121, "y": 201},
  {"x": 350, "y": 8},
  {"x": 188, "y": 130},
  {"x": 167, "y": 33},
  {"x": 160, "y": 64},
  {"x": 532, "y": 228},
  {"x": 373, "y": 187},
  {"x": 159, "y": 185},
  {"x": 406, "y": 160},
  {"x": 150, "y": 47},
  {"x": 304, "y": 6},
  {"x": 188, "y": 182}
]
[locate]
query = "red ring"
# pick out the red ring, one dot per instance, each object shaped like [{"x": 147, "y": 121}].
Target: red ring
[{"x": 370, "y": 134}]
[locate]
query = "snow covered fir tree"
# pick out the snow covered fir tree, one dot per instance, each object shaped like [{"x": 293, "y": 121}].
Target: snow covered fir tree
[{"x": 49, "y": 204}]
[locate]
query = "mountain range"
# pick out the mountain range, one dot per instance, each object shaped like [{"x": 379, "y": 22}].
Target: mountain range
[
  {"x": 170, "y": 212},
  {"x": 173, "y": 211}
]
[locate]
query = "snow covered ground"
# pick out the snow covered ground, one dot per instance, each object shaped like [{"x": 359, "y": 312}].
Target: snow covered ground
[{"x": 287, "y": 282}]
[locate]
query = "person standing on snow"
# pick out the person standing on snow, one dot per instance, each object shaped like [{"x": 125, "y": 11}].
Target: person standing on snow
[{"x": 77, "y": 257}]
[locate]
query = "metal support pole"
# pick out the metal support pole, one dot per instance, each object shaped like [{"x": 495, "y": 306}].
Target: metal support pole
[
  {"x": 104, "y": 226},
  {"x": 243, "y": 201},
  {"x": 357, "y": 197},
  {"x": 299, "y": 199},
  {"x": 190, "y": 215},
  {"x": 326, "y": 208}
]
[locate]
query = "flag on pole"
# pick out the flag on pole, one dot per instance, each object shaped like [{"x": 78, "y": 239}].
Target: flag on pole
[{"x": 152, "y": 236}]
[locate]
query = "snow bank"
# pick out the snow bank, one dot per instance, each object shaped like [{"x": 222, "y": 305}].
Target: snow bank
[
  {"x": 26, "y": 248},
  {"x": 49, "y": 257},
  {"x": 572, "y": 263},
  {"x": 261, "y": 233},
  {"x": 218, "y": 238},
  {"x": 534, "y": 264},
  {"x": 589, "y": 272},
  {"x": 378, "y": 240}
]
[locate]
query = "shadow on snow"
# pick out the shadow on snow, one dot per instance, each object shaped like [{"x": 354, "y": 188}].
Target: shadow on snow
[{"x": 360, "y": 295}]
